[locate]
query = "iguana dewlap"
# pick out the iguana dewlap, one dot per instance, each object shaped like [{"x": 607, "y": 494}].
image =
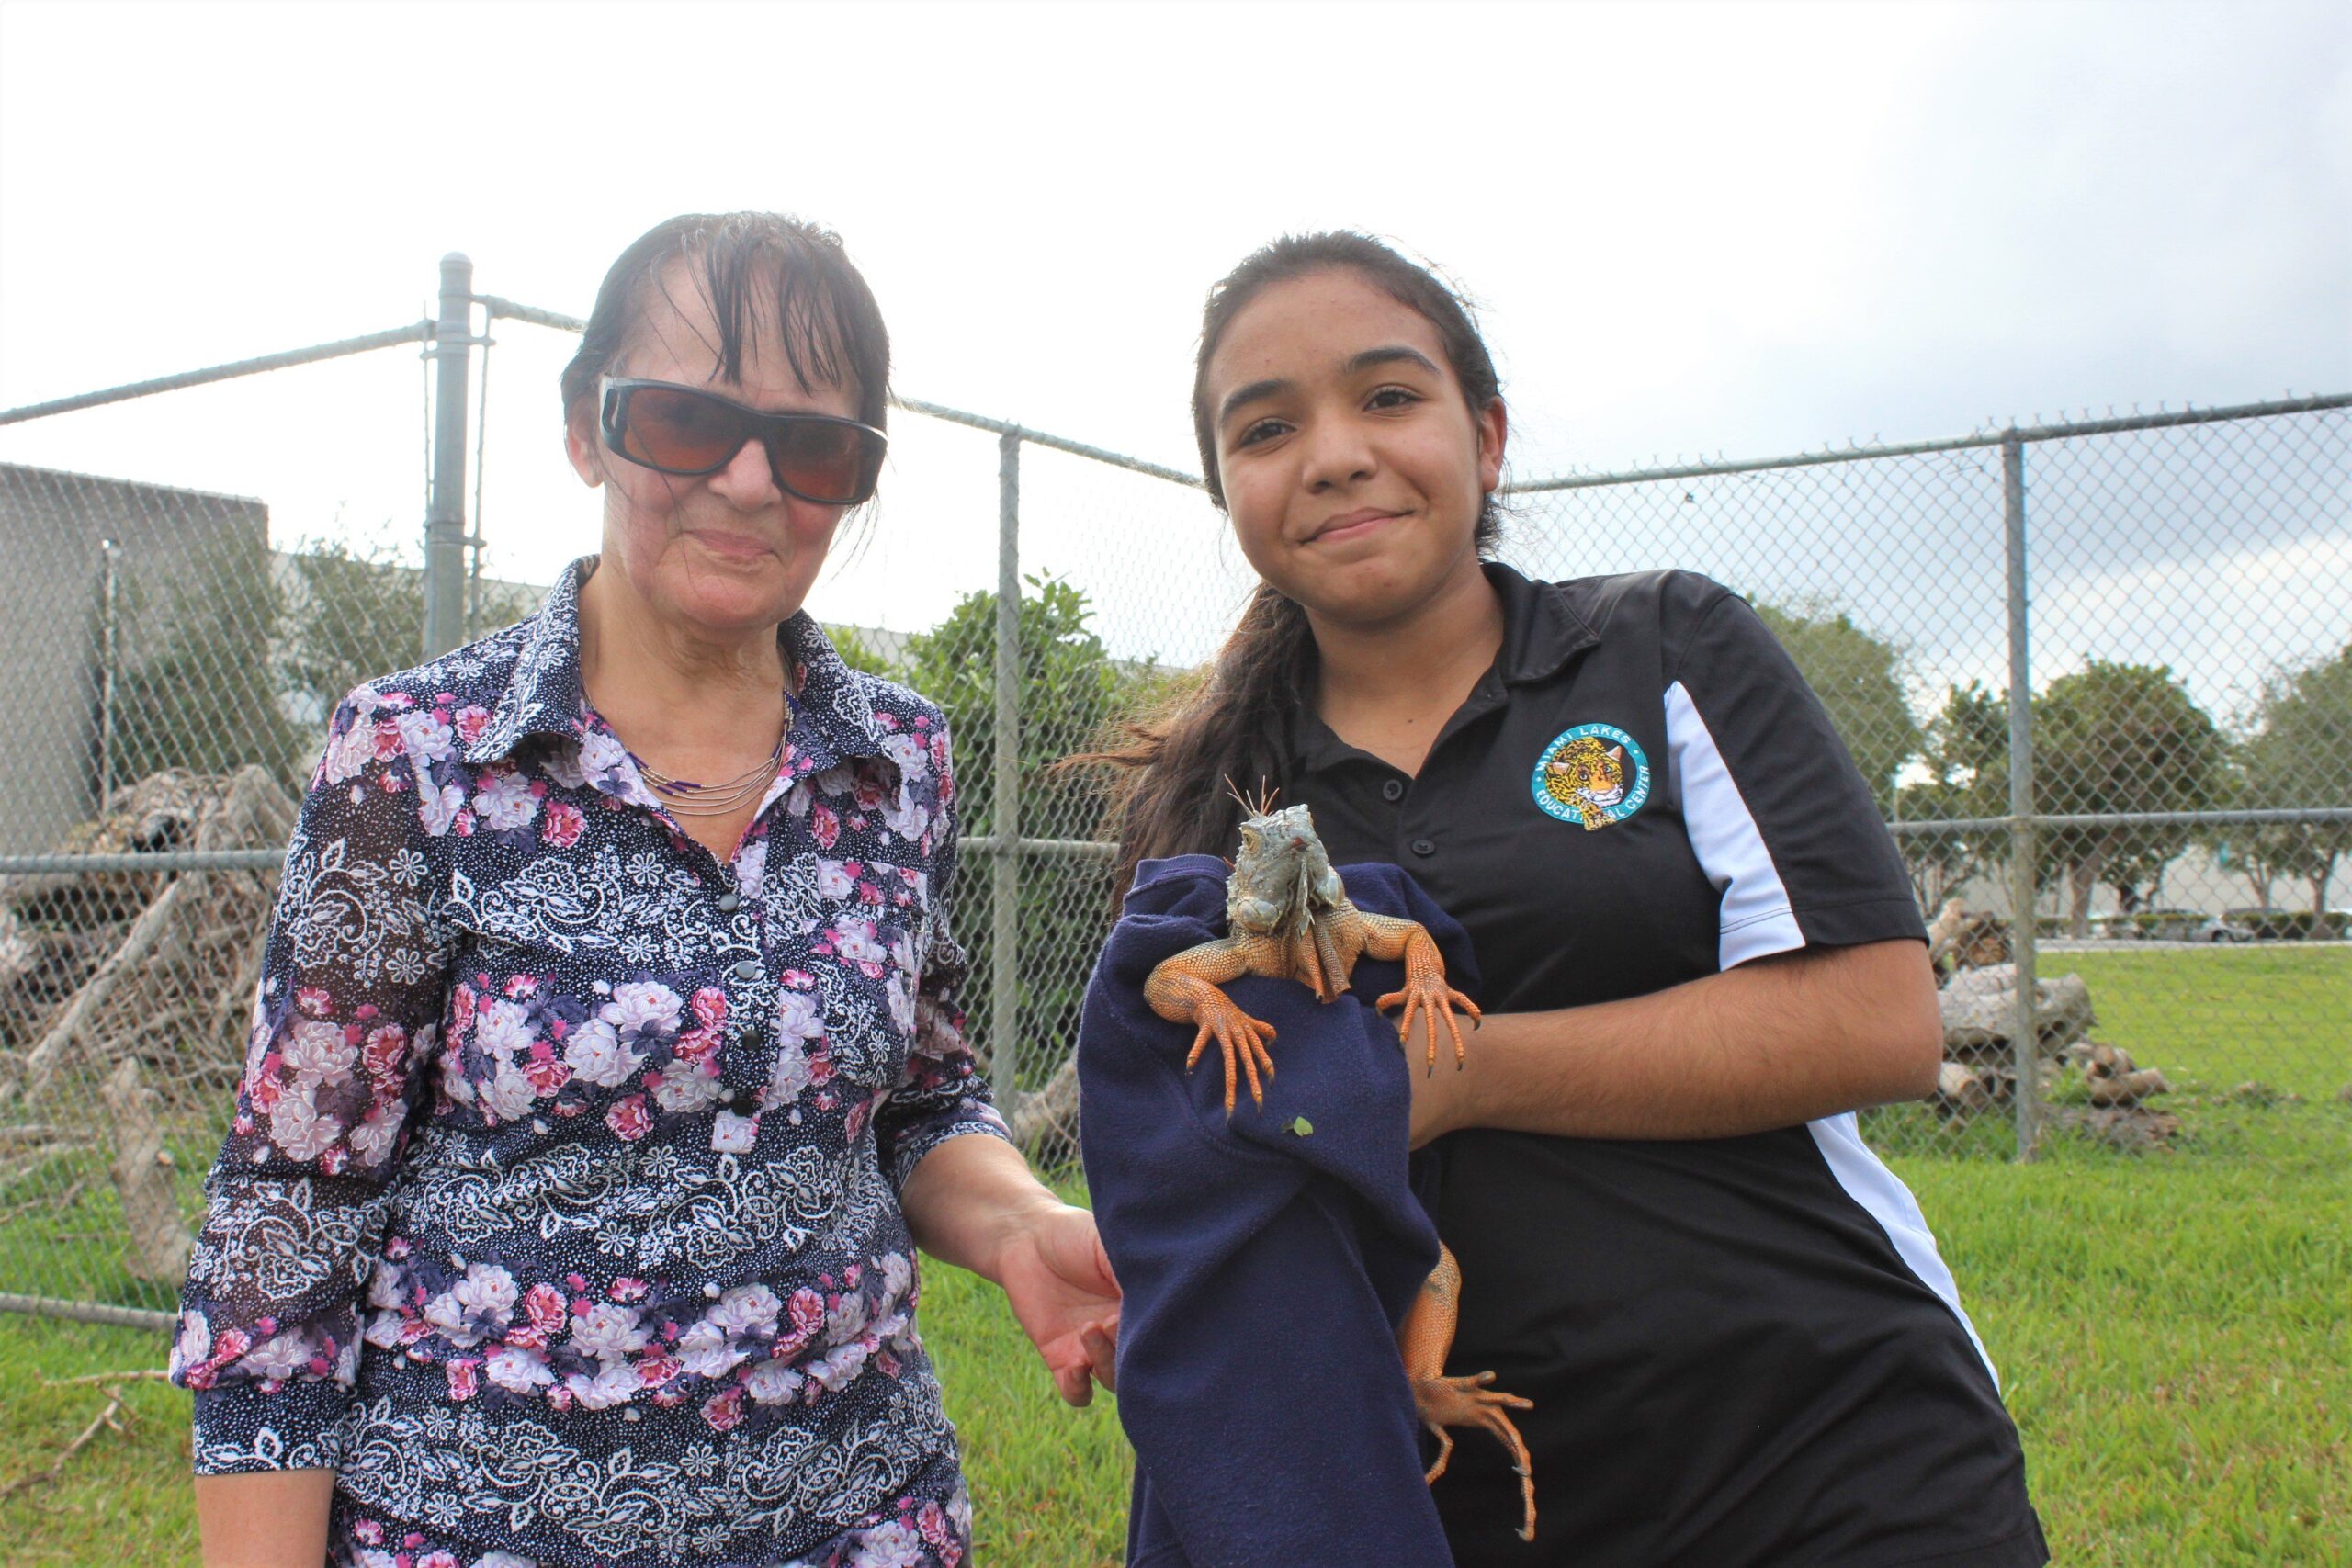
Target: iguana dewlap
[{"x": 1289, "y": 918}]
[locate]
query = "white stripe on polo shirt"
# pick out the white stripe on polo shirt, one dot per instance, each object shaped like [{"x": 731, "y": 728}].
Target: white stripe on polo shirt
[
  {"x": 1756, "y": 921},
  {"x": 1883, "y": 1196}
]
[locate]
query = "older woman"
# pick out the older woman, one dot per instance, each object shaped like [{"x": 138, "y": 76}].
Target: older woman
[{"x": 605, "y": 1072}]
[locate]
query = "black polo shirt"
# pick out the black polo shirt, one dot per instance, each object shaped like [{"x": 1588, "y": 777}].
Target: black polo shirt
[{"x": 1741, "y": 1350}]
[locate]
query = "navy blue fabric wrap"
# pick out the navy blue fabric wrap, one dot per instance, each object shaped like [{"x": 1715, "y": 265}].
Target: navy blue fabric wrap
[{"x": 1264, "y": 1267}]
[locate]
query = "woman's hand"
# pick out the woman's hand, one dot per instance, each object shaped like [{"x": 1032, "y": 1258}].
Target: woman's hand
[
  {"x": 1059, "y": 1279},
  {"x": 973, "y": 1202}
]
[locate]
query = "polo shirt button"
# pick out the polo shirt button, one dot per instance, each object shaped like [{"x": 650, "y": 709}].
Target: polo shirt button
[
  {"x": 729, "y": 902},
  {"x": 1423, "y": 847},
  {"x": 1393, "y": 790},
  {"x": 746, "y": 971}
]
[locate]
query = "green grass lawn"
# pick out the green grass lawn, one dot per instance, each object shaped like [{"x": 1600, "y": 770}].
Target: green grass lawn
[
  {"x": 2276, "y": 1013},
  {"x": 2171, "y": 1328},
  {"x": 2171, "y": 1333},
  {"x": 2277, "y": 1017}
]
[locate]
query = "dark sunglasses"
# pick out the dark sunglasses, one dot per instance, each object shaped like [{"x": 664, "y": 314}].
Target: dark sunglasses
[{"x": 681, "y": 429}]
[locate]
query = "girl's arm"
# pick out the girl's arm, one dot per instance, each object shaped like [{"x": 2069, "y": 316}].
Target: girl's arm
[
  {"x": 1773, "y": 1042},
  {"x": 264, "y": 1519},
  {"x": 1825, "y": 1002}
]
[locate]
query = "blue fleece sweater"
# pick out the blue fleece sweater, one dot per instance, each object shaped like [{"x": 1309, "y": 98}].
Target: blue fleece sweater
[{"x": 1265, "y": 1266}]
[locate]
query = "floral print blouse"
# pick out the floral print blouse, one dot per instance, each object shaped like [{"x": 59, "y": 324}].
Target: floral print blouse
[{"x": 559, "y": 1210}]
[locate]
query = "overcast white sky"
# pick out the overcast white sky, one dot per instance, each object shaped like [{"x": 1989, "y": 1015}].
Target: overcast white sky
[{"x": 1751, "y": 229}]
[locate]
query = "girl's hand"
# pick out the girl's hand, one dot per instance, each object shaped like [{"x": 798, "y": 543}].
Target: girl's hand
[{"x": 1059, "y": 1279}]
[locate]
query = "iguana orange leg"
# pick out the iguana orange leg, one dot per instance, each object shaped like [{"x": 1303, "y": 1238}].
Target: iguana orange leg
[
  {"x": 1183, "y": 989},
  {"x": 1426, "y": 994},
  {"x": 1425, "y": 1337},
  {"x": 1237, "y": 1035}
]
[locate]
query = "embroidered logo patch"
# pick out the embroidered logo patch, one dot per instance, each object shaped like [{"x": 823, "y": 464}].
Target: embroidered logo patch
[{"x": 1595, "y": 774}]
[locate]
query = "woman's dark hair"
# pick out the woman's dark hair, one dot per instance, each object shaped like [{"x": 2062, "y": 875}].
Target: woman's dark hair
[
  {"x": 760, "y": 271},
  {"x": 1171, "y": 785}
]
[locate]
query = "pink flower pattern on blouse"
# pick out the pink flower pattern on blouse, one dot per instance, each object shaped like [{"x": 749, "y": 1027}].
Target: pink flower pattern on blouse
[{"x": 559, "y": 1214}]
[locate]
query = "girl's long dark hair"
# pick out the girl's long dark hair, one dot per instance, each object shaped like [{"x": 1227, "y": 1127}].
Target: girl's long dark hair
[{"x": 1168, "y": 782}]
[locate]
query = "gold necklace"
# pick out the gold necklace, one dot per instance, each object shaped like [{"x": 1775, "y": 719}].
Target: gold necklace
[
  {"x": 685, "y": 797},
  {"x": 688, "y": 798}
]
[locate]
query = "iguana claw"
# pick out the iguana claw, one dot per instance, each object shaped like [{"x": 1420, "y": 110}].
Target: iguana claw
[
  {"x": 1443, "y": 1402},
  {"x": 1432, "y": 999},
  {"x": 1237, "y": 1035}
]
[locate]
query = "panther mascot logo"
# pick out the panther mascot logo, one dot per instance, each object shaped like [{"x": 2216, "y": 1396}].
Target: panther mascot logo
[
  {"x": 1593, "y": 774},
  {"x": 1588, "y": 778}
]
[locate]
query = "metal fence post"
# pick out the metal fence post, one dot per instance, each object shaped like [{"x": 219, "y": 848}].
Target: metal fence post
[
  {"x": 444, "y": 521},
  {"x": 2026, "y": 1040},
  {"x": 1004, "y": 934}
]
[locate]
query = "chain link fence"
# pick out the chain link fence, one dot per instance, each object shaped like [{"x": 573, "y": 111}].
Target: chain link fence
[
  {"x": 2100, "y": 671},
  {"x": 2097, "y": 669}
]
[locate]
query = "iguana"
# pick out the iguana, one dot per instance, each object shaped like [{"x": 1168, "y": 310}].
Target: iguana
[{"x": 1289, "y": 918}]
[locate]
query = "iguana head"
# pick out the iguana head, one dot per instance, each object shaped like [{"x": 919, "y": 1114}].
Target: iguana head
[{"x": 1283, "y": 880}]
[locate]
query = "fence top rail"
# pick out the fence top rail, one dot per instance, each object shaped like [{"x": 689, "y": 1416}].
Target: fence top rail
[
  {"x": 496, "y": 306},
  {"x": 516, "y": 311},
  {"x": 1856, "y": 454},
  {"x": 415, "y": 332},
  {"x": 1058, "y": 443}
]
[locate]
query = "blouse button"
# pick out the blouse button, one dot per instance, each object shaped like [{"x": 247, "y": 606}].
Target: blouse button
[
  {"x": 729, "y": 902},
  {"x": 745, "y": 1103},
  {"x": 746, "y": 971},
  {"x": 1394, "y": 790},
  {"x": 1423, "y": 847}
]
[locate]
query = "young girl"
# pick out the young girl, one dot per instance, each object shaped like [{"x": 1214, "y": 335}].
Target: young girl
[{"x": 1701, "y": 954}]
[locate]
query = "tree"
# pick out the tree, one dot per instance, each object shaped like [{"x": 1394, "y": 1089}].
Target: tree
[
  {"x": 860, "y": 654},
  {"x": 1071, "y": 690},
  {"x": 2136, "y": 868},
  {"x": 1857, "y": 677},
  {"x": 1965, "y": 753},
  {"x": 2299, "y": 754},
  {"x": 193, "y": 687},
  {"x": 2265, "y": 853},
  {"x": 352, "y": 616},
  {"x": 2115, "y": 739}
]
